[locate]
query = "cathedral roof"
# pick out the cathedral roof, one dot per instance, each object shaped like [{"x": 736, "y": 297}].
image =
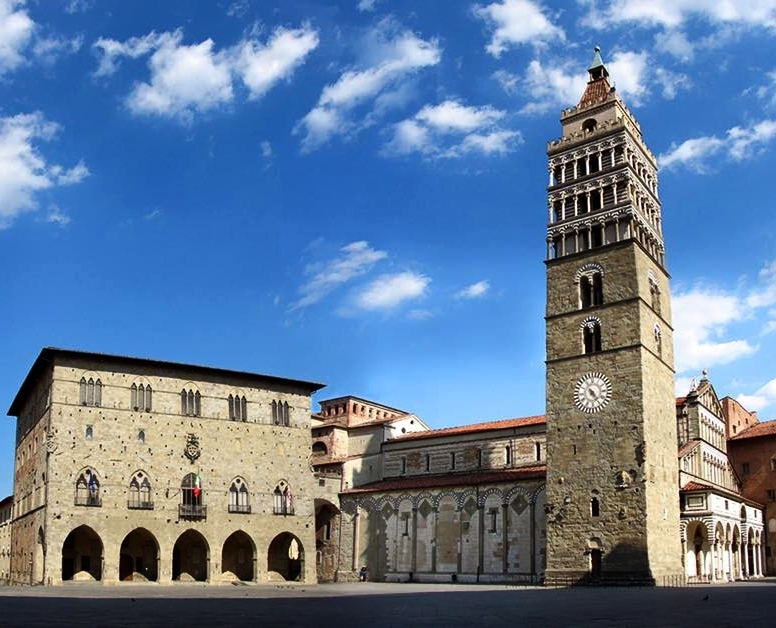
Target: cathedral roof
[
  {"x": 476, "y": 427},
  {"x": 534, "y": 472}
]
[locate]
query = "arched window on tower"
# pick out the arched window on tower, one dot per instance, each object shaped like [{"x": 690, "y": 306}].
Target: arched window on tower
[
  {"x": 654, "y": 294},
  {"x": 591, "y": 335},
  {"x": 283, "y": 500},
  {"x": 591, "y": 291},
  {"x": 595, "y": 507},
  {"x": 140, "y": 492}
]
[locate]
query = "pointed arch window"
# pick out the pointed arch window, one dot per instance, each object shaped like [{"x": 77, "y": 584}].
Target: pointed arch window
[
  {"x": 595, "y": 507},
  {"x": 191, "y": 506},
  {"x": 140, "y": 397},
  {"x": 238, "y": 408},
  {"x": 283, "y": 499},
  {"x": 591, "y": 335},
  {"x": 281, "y": 414},
  {"x": 87, "y": 489},
  {"x": 90, "y": 392},
  {"x": 239, "y": 497},
  {"x": 191, "y": 402},
  {"x": 140, "y": 492}
]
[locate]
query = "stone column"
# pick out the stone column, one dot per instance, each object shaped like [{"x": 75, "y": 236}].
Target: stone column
[
  {"x": 414, "y": 555},
  {"x": 713, "y": 561},
  {"x": 505, "y": 538},
  {"x": 356, "y": 535},
  {"x": 746, "y": 559},
  {"x": 434, "y": 542},
  {"x": 481, "y": 540},
  {"x": 460, "y": 540}
]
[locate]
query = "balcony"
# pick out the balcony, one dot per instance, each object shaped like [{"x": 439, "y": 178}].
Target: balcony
[
  {"x": 285, "y": 509},
  {"x": 242, "y": 509},
  {"x": 93, "y": 501},
  {"x": 137, "y": 505},
  {"x": 192, "y": 511}
]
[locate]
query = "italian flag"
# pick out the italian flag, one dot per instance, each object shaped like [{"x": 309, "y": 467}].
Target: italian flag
[{"x": 197, "y": 485}]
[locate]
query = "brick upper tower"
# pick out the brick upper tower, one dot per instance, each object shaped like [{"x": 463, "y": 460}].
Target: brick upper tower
[{"x": 612, "y": 509}]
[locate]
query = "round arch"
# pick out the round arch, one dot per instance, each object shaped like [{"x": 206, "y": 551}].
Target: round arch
[
  {"x": 238, "y": 557},
  {"x": 82, "y": 555},
  {"x": 139, "y": 557},
  {"x": 285, "y": 558},
  {"x": 191, "y": 558}
]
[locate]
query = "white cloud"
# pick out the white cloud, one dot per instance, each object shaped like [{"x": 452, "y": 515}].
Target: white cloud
[
  {"x": 110, "y": 50},
  {"x": 356, "y": 259},
  {"x": 673, "y": 13},
  {"x": 24, "y": 171},
  {"x": 738, "y": 144},
  {"x": 392, "y": 58},
  {"x": 367, "y": 6},
  {"x": 187, "y": 79},
  {"x": 517, "y": 22},
  {"x": 561, "y": 84},
  {"x": 474, "y": 291},
  {"x": 450, "y": 130},
  {"x": 262, "y": 66},
  {"x": 266, "y": 150},
  {"x": 703, "y": 317},
  {"x": 184, "y": 79},
  {"x": 552, "y": 86},
  {"x": 389, "y": 291},
  {"x": 675, "y": 43},
  {"x": 762, "y": 397},
  {"x": 58, "y": 217},
  {"x": 671, "y": 82},
  {"x": 507, "y": 81},
  {"x": 49, "y": 49},
  {"x": 79, "y": 6},
  {"x": 16, "y": 30}
]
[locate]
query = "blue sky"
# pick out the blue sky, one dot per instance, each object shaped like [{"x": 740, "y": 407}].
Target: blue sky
[{"x": 355, "y": 192}]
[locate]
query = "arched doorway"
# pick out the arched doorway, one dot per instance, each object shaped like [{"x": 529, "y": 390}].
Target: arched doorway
[
  {"x": 326, "y": 548},
  {"x": 82, "y": 555},
  {"x": 285, "y": 558},
  {"x": 190, "y": 557},
  {"x": 39, "y": 559},
  {"x": 139, "y": 557},
  {"x": 239, "y": 556},
  {"x": 594, "y": 550}
]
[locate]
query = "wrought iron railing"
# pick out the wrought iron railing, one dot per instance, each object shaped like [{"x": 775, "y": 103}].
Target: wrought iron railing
[
  {"x": 137, "y": 505},
  {"x": 88, "y": 500},
  {"x": 192, "y": 511},
  {"x": 243, "y": 509}
]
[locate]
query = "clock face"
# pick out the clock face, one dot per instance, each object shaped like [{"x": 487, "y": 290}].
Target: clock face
[{"x": 593, "y": 392}]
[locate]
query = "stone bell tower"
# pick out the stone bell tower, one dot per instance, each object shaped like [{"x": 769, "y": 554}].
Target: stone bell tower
[{"x": 612, "y": 472}]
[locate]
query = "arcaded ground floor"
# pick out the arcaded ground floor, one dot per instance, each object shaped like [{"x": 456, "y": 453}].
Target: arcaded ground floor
[{"x": 382, "y": 605}]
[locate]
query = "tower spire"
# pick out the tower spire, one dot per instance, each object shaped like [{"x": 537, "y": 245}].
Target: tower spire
[{"x": 598, "y": 87}]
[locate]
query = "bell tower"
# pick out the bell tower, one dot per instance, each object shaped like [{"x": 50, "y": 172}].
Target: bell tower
[{"x": 612, "y": 471}]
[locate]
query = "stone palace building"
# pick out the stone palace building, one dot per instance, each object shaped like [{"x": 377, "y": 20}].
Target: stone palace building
[{"x": 131, "y": 469}]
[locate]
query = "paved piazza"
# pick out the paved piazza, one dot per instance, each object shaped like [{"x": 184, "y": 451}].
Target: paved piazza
[{"x": 376, "y": 605}]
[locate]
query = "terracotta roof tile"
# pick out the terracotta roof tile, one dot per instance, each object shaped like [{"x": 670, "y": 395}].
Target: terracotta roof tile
[
  {"x": 680, "y": 401},
  {"x": 452, "y": 479},
  {"x": 476, "y": 427},
  {"x": 696, "y": 486},
  {"x": 595, "y": 92},
  {"x": 765, "y": 428}
]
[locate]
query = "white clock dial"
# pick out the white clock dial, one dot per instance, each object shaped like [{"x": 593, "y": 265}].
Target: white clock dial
[{"x": 593, "y": 392}]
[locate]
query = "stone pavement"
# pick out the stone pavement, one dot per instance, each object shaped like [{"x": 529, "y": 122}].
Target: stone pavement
[{"x": 373, "y": 605}]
